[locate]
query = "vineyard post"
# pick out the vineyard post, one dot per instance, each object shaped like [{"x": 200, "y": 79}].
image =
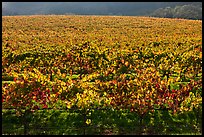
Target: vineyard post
[
  {"x": 141, "y": 116},
  {"x": 25, "y": 123},
  {"x": 197, "y": 119},
  {"x": 84, "y": 122},
  {"x": 167, "y": 75},
  {"x": 51, "y": 74}
]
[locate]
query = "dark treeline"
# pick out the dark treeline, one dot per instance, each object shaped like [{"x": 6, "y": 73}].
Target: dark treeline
[{"x": 189, "y": 10}]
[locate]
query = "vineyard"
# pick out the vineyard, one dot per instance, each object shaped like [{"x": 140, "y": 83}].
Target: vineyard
[{"x": 101, "y": 75}]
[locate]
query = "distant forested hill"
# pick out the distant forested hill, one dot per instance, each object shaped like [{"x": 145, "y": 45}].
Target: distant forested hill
[{"x": 187, "y": 11}]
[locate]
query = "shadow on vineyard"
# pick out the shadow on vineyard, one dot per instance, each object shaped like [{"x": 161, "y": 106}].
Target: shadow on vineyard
[{"x": 112, "y": 122}]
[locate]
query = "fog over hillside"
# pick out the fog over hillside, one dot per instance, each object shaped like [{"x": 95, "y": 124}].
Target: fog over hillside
[{"x": 88, "y": 8}]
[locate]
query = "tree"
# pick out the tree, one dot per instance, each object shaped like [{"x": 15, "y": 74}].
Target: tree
[
  {"x": 188, "y": 12},
  {"x": 191, "y": 11}
]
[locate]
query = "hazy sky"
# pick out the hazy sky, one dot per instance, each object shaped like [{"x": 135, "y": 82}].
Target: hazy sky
[{"x": 66, "y": 7}]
